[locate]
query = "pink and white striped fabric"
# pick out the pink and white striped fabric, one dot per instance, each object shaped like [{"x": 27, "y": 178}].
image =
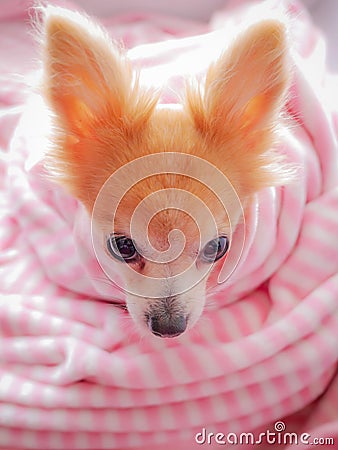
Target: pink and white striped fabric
[{"x": 75, "y": 373}]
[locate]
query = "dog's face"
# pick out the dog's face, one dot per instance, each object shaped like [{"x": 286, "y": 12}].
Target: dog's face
[
  {"x": 166, "y": 233},
  {"x": 171, "y": 223}
]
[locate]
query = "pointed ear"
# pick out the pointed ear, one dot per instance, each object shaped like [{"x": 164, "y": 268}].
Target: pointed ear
[
  {"x": 97, "y": 103},
  {"x": 245, "y": 88},
  {"x": 86, "y": 76}
]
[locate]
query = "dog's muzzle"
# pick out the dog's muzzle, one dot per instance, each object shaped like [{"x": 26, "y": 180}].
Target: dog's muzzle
[{"x": 165, "y": 318}]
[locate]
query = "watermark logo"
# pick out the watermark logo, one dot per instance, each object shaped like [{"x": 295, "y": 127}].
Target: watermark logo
[
  {"x": 280, "y": 426},
  {"x": 123, "y": 191},
  {"x": 276, "y": 437}
]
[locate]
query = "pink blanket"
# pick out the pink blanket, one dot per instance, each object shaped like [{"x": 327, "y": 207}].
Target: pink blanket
[{"x": 75, "y": 373}]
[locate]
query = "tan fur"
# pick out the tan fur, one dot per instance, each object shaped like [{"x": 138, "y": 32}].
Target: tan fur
[
  {"x": 89, "y": 85},
  {"x": 104, "y": 119}
]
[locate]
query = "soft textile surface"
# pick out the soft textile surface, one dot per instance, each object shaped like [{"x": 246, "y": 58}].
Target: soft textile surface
[{"x": 75, "y": 373}]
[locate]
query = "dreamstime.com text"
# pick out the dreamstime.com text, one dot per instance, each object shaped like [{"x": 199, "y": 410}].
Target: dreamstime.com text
[{"x": 276, "y": 437}]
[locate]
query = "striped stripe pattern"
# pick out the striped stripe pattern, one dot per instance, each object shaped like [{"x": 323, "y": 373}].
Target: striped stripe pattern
[{"x": 74, "y": 371}]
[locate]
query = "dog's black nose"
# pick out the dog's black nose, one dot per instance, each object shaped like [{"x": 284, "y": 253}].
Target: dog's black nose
[{"x": 165, "y": 327}]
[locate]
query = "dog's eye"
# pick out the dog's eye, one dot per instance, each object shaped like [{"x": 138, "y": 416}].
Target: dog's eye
[
  {"x": 122, "y": 248},
  {"x": 215, "y": 249}
]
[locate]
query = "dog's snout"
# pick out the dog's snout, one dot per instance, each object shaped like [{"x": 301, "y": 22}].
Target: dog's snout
[
  {"x": 165, "y": 326},
  {"x": 166, "y": 318}
]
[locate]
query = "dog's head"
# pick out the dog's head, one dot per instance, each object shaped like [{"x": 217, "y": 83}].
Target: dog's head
[{"x": 165, "y": 186}]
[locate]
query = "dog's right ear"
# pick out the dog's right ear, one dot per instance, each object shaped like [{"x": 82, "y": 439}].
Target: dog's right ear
[
  {"x": 97, "y": 103},
  {"x": 87, "y": 78}
]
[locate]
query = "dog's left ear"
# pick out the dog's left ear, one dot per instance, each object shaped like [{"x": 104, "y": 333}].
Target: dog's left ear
[{"x": 245, "y": 88}]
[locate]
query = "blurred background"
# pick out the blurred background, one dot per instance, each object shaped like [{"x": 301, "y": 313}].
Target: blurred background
[{"x": 324, "y": 13}]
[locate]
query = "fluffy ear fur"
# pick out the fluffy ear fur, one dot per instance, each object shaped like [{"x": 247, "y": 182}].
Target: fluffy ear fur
[
  {"x": 243, "y": 96},
  {"x": 95, "y": 97},
  {"x": 103, "y": 118},
  {"x": 247, "y": 84}
]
